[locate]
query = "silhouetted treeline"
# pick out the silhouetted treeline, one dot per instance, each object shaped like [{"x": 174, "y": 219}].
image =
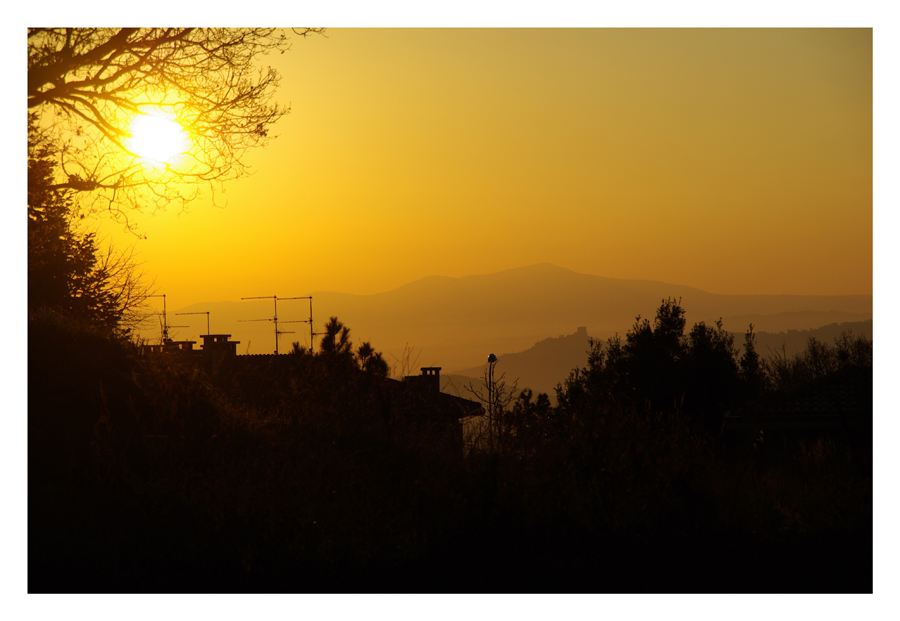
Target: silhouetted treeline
[
  {"x": 700, "y": 375},
  {"x": 793, "y": 342},
  {"x": 308, "y": 472}
]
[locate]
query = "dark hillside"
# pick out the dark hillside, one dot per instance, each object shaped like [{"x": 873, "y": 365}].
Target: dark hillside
[{"x": 542, "y": 366}]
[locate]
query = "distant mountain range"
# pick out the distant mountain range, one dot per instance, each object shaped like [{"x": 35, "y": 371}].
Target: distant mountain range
[{"x": 453, "y": 322}]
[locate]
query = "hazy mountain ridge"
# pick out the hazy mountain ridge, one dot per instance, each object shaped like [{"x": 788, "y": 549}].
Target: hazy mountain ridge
[
  {"x": 542, "y": 366},
  {"x": 783, "y": 322},
  {"x": 450, "y": 322}
]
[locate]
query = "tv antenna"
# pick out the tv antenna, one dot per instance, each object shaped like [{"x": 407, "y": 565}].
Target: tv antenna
[
  {"x": 274, "y": 319},
  {"x": 164, "y": 328},
  {"x": 309, "y": 321},
  {"x": 198, "y": 313}
]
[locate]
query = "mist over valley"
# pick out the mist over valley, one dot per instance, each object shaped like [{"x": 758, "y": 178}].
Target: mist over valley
[{"x": 454, "y": 323}]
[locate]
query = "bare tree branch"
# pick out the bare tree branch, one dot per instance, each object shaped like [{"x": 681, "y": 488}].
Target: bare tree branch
[
  {"x": 497, "y": 407},
  {"x": 88, "y": 84}
]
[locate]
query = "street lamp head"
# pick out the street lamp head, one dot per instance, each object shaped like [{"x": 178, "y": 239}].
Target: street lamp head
[{"x": 492, "y": 358}]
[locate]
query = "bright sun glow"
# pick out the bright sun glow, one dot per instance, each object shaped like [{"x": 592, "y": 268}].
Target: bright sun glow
[{"x": 156, "y": 138}]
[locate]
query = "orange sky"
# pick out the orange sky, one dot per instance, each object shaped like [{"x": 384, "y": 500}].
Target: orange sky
[{"x": 736, "y": 161}]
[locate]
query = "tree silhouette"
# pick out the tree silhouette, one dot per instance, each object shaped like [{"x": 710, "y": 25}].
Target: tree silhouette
[
  {"x": 817, "y": 361},
  {"x": 652, "y": 356},
  {"x": 710, "y": 375},
  {"x": 89, "y": 83},
  {"x": 336, "y": 340},
  {"x": 372, "y": 361},
  {"x": 658, "y": 369},
  {"x": 753, "y": 372},
  {"x": 529, "y": 421},
  {"x": 337, "y": 349},
  {"x": 68, "y": 272}
]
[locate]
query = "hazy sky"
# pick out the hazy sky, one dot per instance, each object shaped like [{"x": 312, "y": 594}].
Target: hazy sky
[{"x": 736, "y": 161}]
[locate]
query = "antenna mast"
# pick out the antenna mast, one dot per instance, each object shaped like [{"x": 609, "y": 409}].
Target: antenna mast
[
  {"x": 275, "y": 318},
  {"x": 199, "y": 313},
  {"x": 165, "y": 328},
  {"x": 309, "y": 321}
]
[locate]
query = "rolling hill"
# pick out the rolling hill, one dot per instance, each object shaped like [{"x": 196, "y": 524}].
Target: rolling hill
[{"x": 453, "y": 322}]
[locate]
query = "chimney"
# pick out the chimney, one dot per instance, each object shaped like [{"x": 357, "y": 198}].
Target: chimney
[{"x": 433, "y": 381}]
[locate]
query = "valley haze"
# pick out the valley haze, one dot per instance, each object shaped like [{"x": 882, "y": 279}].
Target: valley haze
[{"x": 455, "y": 323}]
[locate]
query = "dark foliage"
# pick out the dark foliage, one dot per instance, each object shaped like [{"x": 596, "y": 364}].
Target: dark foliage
[
  {"x": 818, "y": 361},
  {"x": 660, "y": 369},
  {"x": 68, "y": 271},
  {"x": 308, "y": 473},
  {"x": 752, "y": 369}
]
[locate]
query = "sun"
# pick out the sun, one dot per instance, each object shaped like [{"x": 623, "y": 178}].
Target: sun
[{"x": 156, "y": 138}]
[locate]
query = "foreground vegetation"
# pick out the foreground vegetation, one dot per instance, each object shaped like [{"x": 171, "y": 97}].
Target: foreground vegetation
[{"x": 147, "y": 475}]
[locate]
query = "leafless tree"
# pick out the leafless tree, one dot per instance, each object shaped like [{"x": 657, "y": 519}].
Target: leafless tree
[
  {"x": 496, "y": 396},
  {"x": 128, "y": 287},
  {"x": 89, "y": 83}
]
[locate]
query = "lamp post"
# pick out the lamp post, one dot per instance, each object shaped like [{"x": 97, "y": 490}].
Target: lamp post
[{"x": 492, "y": 360}]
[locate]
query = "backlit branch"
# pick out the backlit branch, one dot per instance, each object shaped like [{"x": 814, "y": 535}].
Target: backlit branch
[{"x": 88, "y": 84}]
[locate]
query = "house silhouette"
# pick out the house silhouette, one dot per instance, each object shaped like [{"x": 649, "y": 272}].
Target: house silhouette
[{"x": 438, "y": 415}]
